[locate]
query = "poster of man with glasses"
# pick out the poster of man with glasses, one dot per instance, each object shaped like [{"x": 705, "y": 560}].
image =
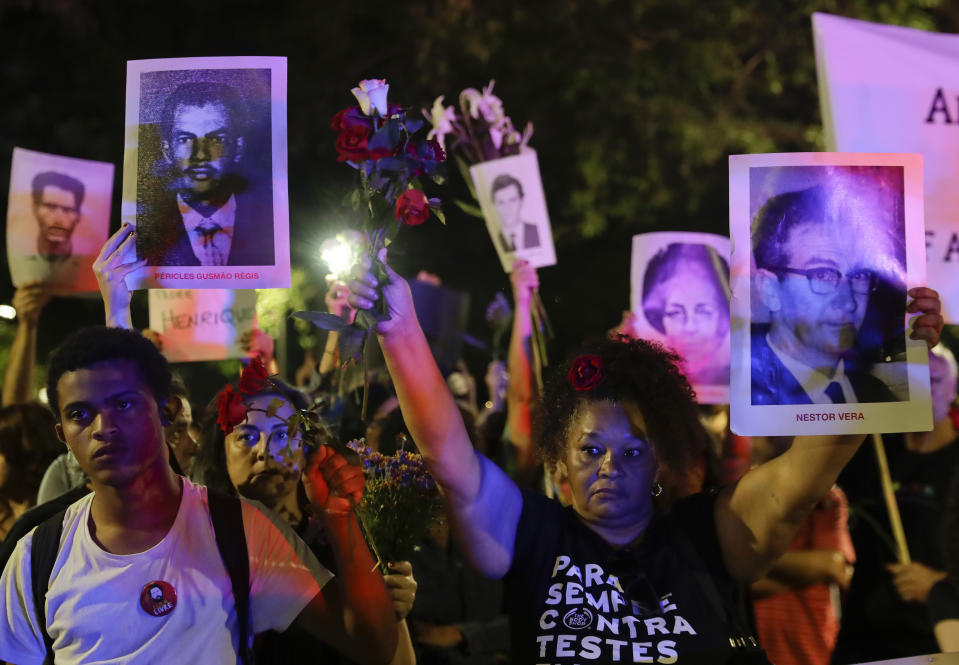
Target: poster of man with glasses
[{"x": 827, "y": 252}]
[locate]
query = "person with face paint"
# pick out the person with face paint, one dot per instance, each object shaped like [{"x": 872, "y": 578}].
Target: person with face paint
[
  {"x": 885, "y": 613},
  {"x": 609, "y": 578}
]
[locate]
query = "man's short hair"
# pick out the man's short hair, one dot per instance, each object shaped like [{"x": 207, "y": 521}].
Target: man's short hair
[
  {"x": 201, "y": 94},
  {"x": 61, "y": 180},
  {"x": 778, "y": 217},
  {"x": 504, "y": 180},
  {"x": 89, "y": 346}
]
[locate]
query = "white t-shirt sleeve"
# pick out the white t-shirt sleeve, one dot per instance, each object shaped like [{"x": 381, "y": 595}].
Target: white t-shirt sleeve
[
  {"x": 284, "y": 573},
  {"x": 20, "y": 638}
]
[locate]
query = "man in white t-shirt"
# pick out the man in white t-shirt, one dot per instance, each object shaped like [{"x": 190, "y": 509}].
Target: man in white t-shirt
[{"x": 144, "y": 528}]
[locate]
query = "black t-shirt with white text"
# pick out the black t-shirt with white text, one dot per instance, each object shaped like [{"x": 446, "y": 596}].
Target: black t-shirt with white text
[{"x": 573, "y": 598}]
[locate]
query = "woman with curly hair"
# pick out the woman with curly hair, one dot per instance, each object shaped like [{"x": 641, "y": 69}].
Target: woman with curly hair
[
  {"x": 28, "y": 445},
  {"x": 609, "y": 578}
]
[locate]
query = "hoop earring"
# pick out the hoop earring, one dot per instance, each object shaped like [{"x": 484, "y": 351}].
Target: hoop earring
[{"x": 657, "y": 490}]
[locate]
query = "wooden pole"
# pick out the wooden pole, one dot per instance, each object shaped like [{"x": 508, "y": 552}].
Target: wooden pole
[{"x": 895, "y": 520}]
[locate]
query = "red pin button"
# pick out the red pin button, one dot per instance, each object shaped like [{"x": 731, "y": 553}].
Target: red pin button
[{"x": 158, "y": 598}]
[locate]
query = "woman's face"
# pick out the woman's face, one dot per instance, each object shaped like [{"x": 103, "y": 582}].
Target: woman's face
[
  {"x": 610, "y": 464},
  {"x": 263, "y": 462},
  {"x": 693, "y": 315}
]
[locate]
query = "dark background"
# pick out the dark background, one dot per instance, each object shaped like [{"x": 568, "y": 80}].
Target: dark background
[{"x": 636, "y": 106}]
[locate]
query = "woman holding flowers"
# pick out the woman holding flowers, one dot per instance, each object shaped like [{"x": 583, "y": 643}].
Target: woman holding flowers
[
  {"x": 610, "y": 579},
  {"x": 259, "y": 446}
]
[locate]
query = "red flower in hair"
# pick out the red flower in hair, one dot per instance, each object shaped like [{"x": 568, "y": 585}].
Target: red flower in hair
[
  {"x": 230, "y": 409},
  {"x": 254, "y": 377},
  {"x": 587, "y": 373}
]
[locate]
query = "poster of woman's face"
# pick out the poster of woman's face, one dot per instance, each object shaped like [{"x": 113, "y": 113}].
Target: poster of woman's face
[
  {"x": 511, "y": 197},
  {"x": 828, "y": 245},
  {"x": 680, "y": 296},
  {"x": 205, "y": 177},
  {"x": 58, "y": 217}
]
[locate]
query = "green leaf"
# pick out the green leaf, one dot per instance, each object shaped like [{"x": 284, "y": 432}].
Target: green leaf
[
  {"x": 323, "y": 320},
  {"x": 440, "y": 215},
  {"x": 274, "y": 406},
  {"x": 469, "y": 208},
  {"x": 465, "y": 172}
]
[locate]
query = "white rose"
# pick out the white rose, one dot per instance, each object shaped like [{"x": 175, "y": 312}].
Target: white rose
[{"x": 371, "y": 94}]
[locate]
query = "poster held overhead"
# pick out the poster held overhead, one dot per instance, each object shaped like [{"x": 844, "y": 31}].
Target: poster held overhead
[
  {"x": 825, "y": 246},
  {"x": 202, "y": 324},
  {"x": 885, "y": 88},
  {"x": 510, "y": 193},
  {"x": 205, "y": 172},
  {"x": 58, "y": 217},
  {"x": 680, "y": 296}
]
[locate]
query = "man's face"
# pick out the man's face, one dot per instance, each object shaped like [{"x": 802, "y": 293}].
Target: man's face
[
  {"x": 57, "y": 214},
  {"x": 110, "y": 420},
  {"x": 179, "y": 437},
  {"x": 818, "y": 328},
  {"x": 202, "y": 147},
  {"x": 508, "y": 203}
]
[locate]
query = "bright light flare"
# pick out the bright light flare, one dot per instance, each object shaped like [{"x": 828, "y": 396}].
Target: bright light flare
[{"x": 7, "y": 312}]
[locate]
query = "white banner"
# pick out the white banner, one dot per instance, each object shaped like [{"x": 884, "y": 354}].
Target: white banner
[
  {"x": 201, "y": 324},
  {"x": 884, "y": 88}
]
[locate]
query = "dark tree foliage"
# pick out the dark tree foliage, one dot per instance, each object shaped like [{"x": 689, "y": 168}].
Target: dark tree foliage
[{"x": 636, "y": 107}]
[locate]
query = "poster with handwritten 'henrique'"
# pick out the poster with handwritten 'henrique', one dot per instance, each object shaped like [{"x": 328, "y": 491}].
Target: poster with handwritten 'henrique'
[{"x": 202, "y": 324}]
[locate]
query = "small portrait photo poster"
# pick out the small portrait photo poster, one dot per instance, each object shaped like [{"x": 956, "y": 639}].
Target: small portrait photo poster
[
  {"x": 201, "y": 324},
  {"x": 680, "y": 296},
  {"x": 510, "y": 193},
  {"x": 58, "y": 217},
  {"x": 205, "y": 172},
  {"x": 825, "y": 246}
]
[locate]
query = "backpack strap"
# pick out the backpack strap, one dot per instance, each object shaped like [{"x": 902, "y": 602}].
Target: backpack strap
[
  {"x": 43, "y": 555},
  {"x": 226, "y": 513}
]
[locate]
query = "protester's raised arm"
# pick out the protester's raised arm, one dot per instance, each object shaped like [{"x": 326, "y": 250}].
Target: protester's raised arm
[
  {"x": 484, "y": 504},
  {"x": 520, "y": 394},
  {"x": 757, "y": 517},
  {"x": 29, "y": 301},
  {"x": 117, "y": 259}
]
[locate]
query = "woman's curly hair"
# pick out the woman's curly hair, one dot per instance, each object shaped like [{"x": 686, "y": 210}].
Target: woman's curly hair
[{"x": 637, "y": 371}]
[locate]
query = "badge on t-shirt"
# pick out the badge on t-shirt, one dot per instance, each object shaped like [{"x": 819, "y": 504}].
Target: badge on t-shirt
[{"x": 158, "y": 598}]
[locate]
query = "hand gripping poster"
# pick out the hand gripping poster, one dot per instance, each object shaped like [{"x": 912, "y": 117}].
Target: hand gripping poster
[
  {"x": 824, "y": 248},
  {"x": 680, "y": 297},
  {"x": 205, "y": 172},
  {"x": 885, "y": 88}
]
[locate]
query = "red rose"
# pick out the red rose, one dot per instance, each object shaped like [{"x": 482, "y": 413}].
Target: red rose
[
  {"x": 412, "y": 208},
  {"x": 349, "y": 117},
  {"x": 230, "y": 409},
  {"x": 352, "y": 143},
  {"x": 587, "y": 373},
  {"x": 254, "y": 377}
]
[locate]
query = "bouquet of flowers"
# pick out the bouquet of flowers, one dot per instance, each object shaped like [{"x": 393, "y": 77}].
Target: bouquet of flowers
[
  {"x": 400, "y": 502},
  {"x": 379, "y": 140},
  {"x": 481, "y": 131}
]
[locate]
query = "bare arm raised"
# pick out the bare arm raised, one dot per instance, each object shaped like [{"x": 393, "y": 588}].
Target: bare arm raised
[
  {"x": 483, "y": 503},
  {"x": 757, "y": 517}
]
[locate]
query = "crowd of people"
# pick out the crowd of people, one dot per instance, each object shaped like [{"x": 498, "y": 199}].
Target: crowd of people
[{"x": 601, "y": 515}]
